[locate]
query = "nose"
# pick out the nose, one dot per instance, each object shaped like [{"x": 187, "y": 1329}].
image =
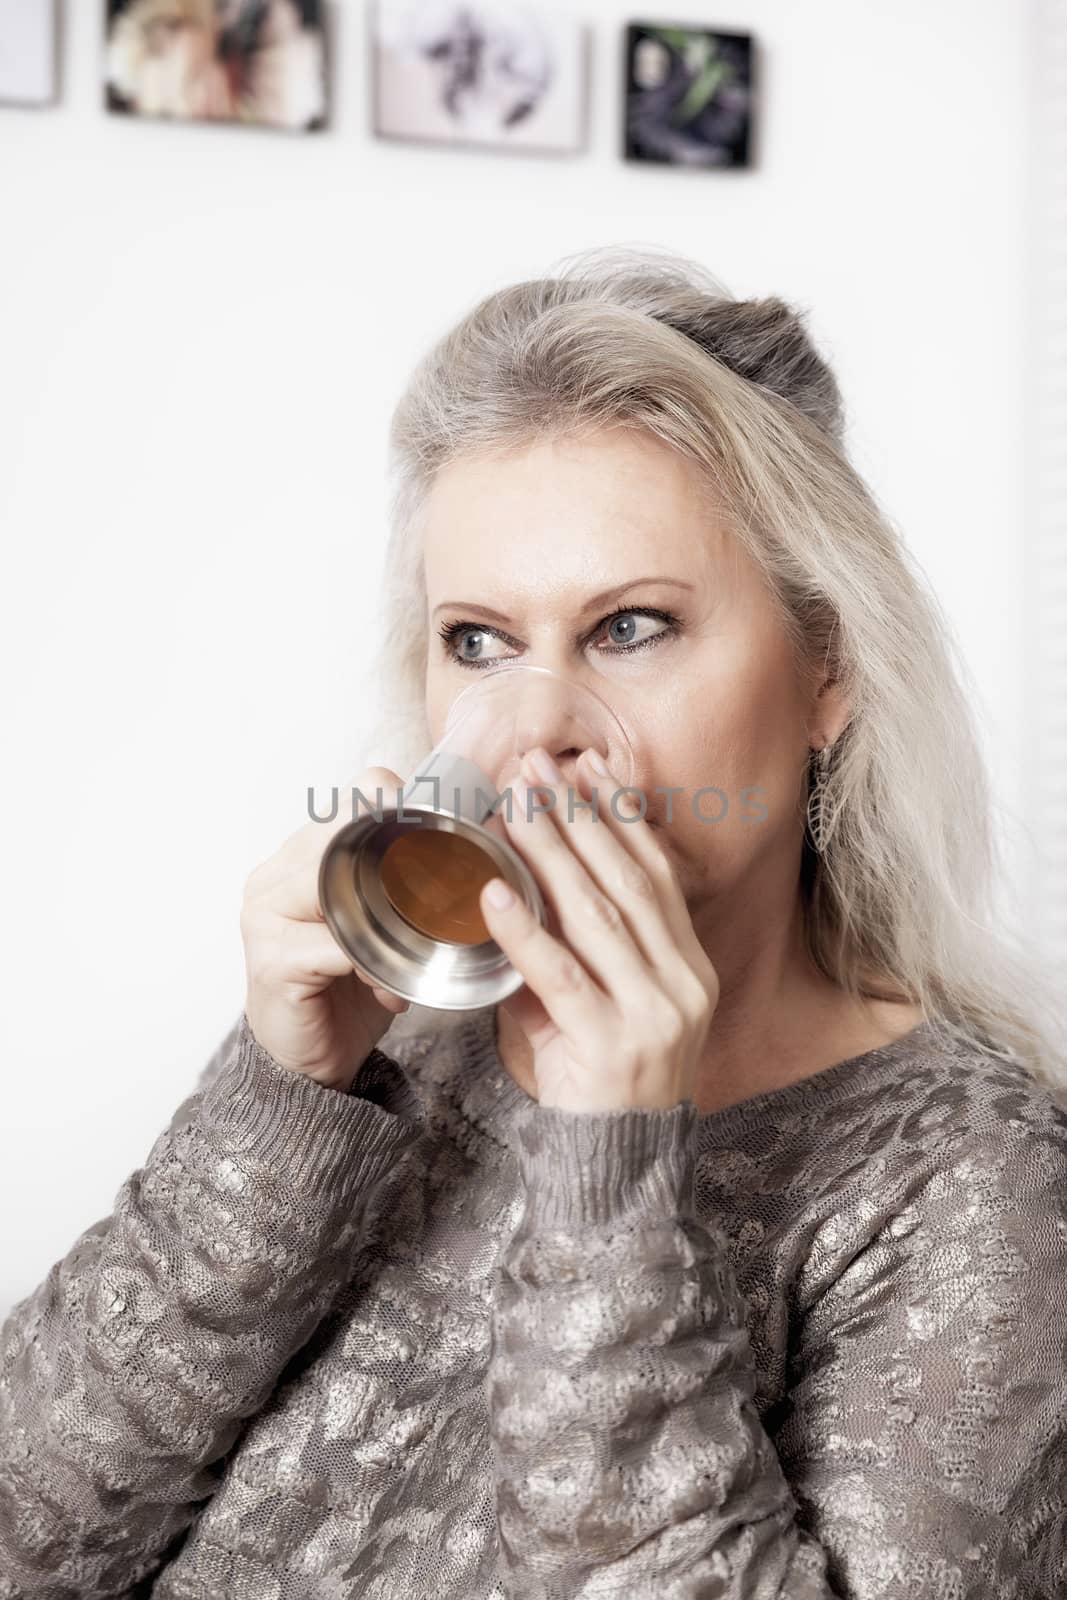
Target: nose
[
  {"x": 546, "y": 716},
  {"x": 565, "y": 716}
]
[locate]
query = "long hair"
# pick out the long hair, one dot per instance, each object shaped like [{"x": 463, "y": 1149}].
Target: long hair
[{"x": 897, "y": 898}]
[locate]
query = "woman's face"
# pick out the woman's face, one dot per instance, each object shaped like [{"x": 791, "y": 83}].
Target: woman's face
[{"x": 561, "y": 555}]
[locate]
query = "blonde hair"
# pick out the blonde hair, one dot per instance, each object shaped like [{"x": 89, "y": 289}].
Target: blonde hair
[{"x": 897, "y": 899}]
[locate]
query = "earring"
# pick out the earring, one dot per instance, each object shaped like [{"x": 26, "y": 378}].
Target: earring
[{"x": 819, "y": 768}]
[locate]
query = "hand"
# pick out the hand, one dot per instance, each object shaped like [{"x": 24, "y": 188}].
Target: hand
[
  {"x": 306, "y": 1004},
  {"x": 617, "y": 1011}
]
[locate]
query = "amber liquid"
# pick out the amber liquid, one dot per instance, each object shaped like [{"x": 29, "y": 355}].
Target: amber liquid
[{"x": 434, "y": 878}]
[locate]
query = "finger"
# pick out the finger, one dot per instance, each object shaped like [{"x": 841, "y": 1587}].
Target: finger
[
  {"x": 306, "y": 844},
  {"x": 376, "y": 787},
  {"x": 295, "y": 895},
  {"x": 529, "y": 1014},
  {"x": 386, "y": 998},
  {"x": 569, "y": 994},
  {"x": 305, "y": 953},
  {"x": 305, "y": 956},
  {"x": 621, "y": 875},
  {"x": 591, "y": 923},
  {"x": 643, "y": 847}
]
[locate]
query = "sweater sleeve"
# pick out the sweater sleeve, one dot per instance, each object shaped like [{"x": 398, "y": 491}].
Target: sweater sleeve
[
  {"x": 629, "y": 1455},
  {"x": 126, "y": 1377}
]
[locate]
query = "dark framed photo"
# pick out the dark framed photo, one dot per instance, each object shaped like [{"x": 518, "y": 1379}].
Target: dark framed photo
[
  {"x": 689, "y": 96},
  {"x": 28, "y": 52},
  {"x": 258, "y": 62},
  {"x": 487, "y": 73}
]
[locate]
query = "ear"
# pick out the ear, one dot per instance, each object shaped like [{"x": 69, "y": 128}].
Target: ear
[{"x": 830, "y": 712}]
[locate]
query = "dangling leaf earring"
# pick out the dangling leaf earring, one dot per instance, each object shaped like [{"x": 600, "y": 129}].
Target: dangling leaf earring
[{"x": 819, "y": 768}]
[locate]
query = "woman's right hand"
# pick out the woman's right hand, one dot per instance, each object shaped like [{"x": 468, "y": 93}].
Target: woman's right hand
[{"x": 306, "y": 1005}]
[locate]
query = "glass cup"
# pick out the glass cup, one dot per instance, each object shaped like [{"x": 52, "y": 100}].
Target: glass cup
[{"x": 399, "y": 885}]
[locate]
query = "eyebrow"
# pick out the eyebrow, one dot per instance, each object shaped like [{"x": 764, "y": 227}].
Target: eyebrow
[{"x": 591, "y": 604}]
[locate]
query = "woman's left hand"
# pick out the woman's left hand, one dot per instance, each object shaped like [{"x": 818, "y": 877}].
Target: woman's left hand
[{"x": 617, "y": 1012}]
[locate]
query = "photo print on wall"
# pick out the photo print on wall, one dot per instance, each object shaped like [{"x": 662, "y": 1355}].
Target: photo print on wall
[
  {"x": 689, "y": 98},
  {"x": 488, "y": 73},
  {"x": 28, "y": 44},
  {"x": 257, "y": 62}
]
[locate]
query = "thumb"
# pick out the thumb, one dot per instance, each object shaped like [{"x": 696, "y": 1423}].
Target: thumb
[{"x": 528, "y": 1012}]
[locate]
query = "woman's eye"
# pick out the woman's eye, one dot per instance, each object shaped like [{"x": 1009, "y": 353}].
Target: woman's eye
[
  {"x": 470, "y": 644},
  {"x": 625, "y": 628}
]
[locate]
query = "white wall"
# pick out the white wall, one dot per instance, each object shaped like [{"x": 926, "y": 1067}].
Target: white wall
[
  {"x": 202, "y": 331},
  {"x": 1043, "y": 878}
]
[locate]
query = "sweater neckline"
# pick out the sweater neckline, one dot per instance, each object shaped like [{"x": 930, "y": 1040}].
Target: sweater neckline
[{"x": 489, "y": 1097}]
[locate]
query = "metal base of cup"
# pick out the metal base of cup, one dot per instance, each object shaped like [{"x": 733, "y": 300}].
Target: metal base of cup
[{"x": 388, "y": 950}]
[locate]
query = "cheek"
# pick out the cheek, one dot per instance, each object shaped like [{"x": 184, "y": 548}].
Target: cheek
[{"x": 740, "y": 736}]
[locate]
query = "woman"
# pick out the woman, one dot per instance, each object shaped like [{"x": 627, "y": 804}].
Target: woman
[{"x": 726, "y": 1257}]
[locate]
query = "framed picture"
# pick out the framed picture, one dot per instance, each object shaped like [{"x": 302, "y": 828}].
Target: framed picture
[
  {"x": 486, "y": 73},
  {"x": 688, "y": 96},
  {"x": 28, "y": 44},
  {"x": 261, "y": 62}
]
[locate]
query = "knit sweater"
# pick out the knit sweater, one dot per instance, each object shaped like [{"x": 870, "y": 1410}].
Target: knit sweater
[{"x": 430, "y": 1338}]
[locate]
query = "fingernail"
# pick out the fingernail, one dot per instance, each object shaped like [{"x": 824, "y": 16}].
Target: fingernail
[
  {"x": 498, "y": 894},
  {"x": 544, "y": 766},
  {"x": 598, "y": 764}
]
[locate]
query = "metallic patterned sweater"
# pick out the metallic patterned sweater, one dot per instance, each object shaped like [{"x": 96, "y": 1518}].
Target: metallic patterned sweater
[{"x": 431, "y": 1339}]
